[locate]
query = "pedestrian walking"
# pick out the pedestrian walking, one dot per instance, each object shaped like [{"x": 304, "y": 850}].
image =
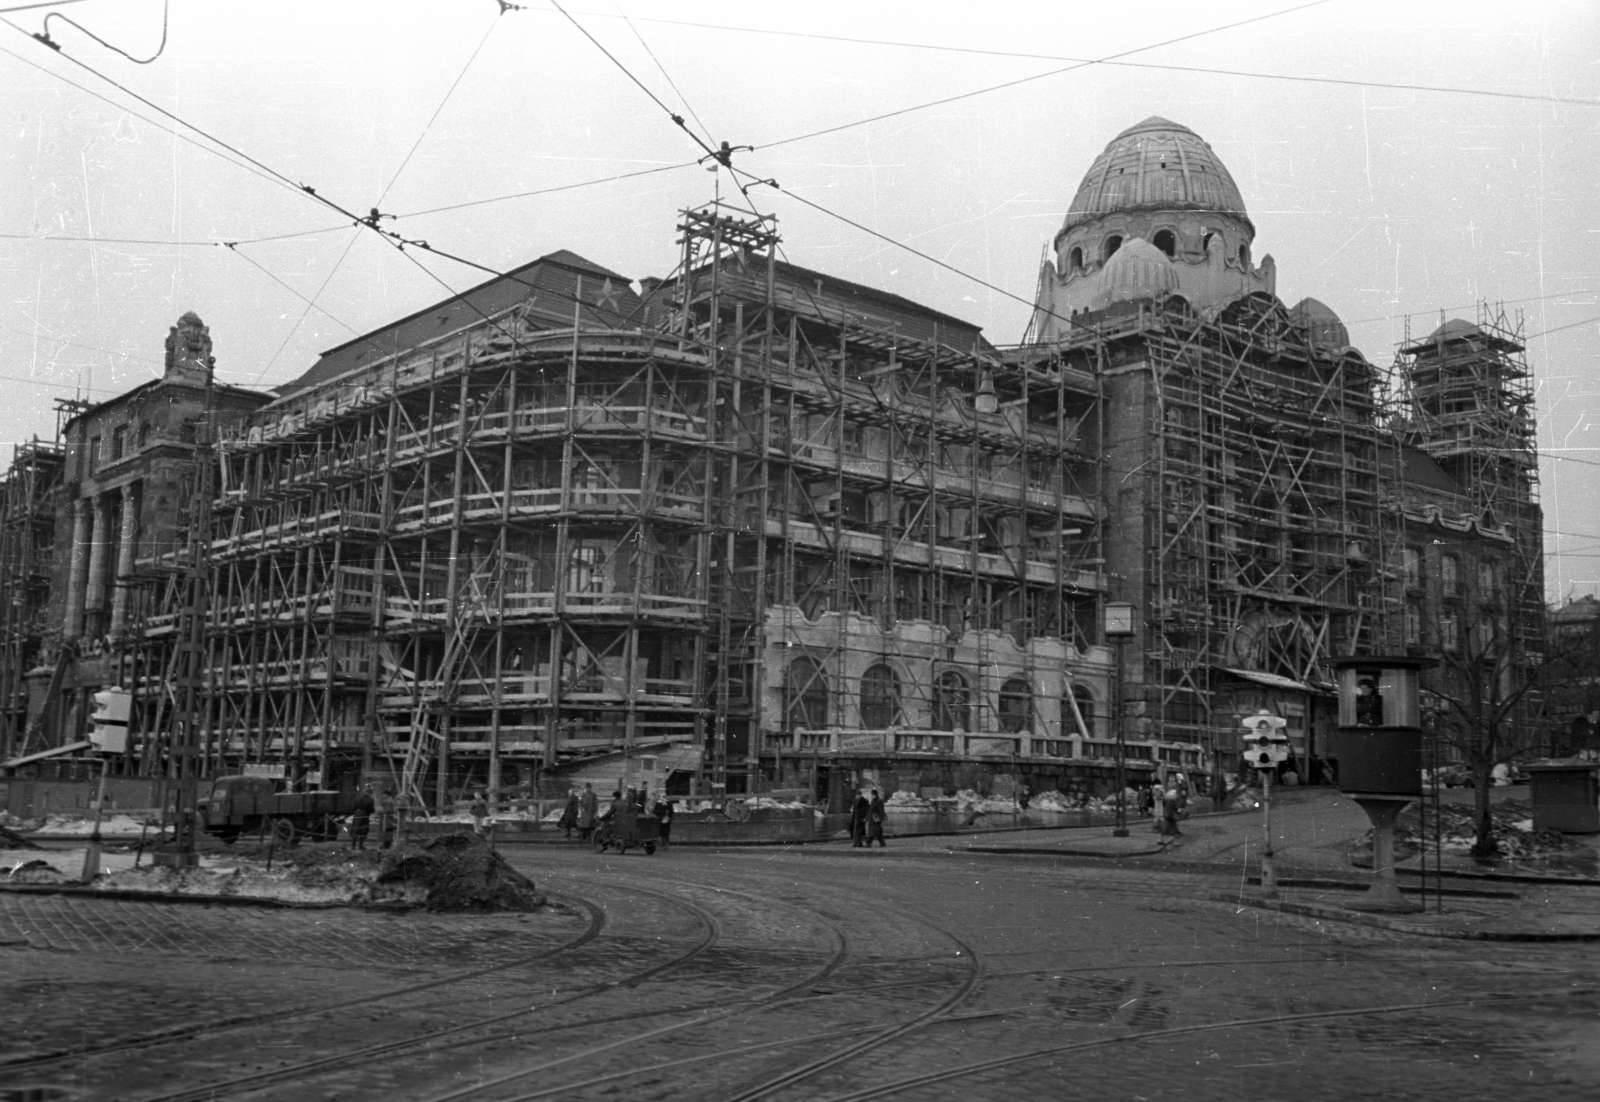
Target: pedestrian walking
[
  {"x": 569, "y": 815},
  {"x": 388, "y": 819},
  {"x": 858, "y": 820},
  {"x": 588, "y": 807},
  {"x": 1169, "y": 817},
  {"x": 361, "y": 818},
  {"x": 479, "y": 812},
  {"x": 875, "y": 817},
  {"x": 663, "y": 814}
]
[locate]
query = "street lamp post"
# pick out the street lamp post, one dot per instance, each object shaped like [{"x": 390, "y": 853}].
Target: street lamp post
[{"x": 1118, "y": 627}]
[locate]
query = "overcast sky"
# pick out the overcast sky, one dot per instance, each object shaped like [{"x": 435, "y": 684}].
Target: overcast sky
[{"x": 1376, "y": 195}]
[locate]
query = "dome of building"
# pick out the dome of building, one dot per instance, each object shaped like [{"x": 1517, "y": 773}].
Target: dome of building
[
  {"x": 1321, "y": 323},
  {"x": 1137, "y": 270},
  {"x": 1155, "y": 164}
]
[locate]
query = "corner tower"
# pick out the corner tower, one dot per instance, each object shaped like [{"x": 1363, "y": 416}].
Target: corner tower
[{"x": 1159, "y": 183}]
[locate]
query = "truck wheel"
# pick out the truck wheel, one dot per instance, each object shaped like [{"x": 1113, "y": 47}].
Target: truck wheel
[
  {"x": 283, "y": 830},
  {"x": 229, "y": 836}
]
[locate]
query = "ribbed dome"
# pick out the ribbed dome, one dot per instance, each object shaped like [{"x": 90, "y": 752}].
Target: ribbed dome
[
  {"x": 1326, "y": 330},
  {"x": 1155, "y": 164},
  {"x": 1137, "y": 270}
]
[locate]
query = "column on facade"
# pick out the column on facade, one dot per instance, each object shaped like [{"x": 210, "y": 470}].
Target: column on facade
[
  {"x": 95, "y": 591},
  {"x": 72, "y": 628},
  {"x": 125, "y": 546}
]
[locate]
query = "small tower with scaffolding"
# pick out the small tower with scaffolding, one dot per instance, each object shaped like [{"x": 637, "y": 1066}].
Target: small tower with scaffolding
[{"x": 1467, "y": 399}]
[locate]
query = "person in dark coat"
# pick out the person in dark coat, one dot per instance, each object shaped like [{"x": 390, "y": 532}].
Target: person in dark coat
[
  {"x": 858, "y": 820},
  {"x": 361, "y": 818},
  {"x": 569, "y": 815},
  {"x": 588, "y": 810},
  {"x": 875, "y": 817},
  {"x": 1169, "y": 817},
  {"x": 388, "y": 819},
  {"x": 663, "y": 813}
]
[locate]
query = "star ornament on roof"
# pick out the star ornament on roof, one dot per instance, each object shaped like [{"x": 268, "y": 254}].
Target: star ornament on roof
[{"x": 608, "y": 297}]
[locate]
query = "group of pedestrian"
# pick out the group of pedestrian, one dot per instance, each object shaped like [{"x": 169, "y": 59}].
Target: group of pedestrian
[
  {"x": 866, "y": 821},
  {"x": 583, "y": 814},
  {"x": 387, "y": 812}
]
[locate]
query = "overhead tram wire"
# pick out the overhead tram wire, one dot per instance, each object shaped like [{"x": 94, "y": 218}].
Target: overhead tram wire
[
  {"x": 44, "y": 35},
  {"x": 1027, "y": 56},
  {"x": 120, "y": 107},
  {"x": 376, "y": 214},
  {"x": 673, "y": 115},
  {"x": 687, "y": 106},
  {"x": 547, "y": 190},
  {"x": 310, "y": 303},
  {"x": 436, "y": 111},
  {"x": 1035, "y": 77}
]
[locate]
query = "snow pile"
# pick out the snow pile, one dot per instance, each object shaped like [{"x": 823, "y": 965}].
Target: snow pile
[
  {"x": 1052, "y": 801},
  {"x": 756, "y": 803},
  {"x": 114, "y": 823},
  {"x": 36, "y": 871},
  {"x": 906, "y": 801}
]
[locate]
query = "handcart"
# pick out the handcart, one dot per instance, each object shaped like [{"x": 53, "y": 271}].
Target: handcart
[{"x": 627, "y": 829}]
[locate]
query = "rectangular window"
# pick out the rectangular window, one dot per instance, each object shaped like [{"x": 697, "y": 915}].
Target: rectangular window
[
  {"x": 1450, "y": 575},
  {"x": 1449, "y": 632},
  {"x": 1486, "y": 586},
  {"x": 1411, "y": 566},
  {"x": 1413, "y": 625},
  {"x": 119, "y": 442},
  {"x": 94, "y": 454}
]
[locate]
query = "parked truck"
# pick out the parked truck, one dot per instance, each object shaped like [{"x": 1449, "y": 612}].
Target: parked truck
[{"x": 238, "y": 806}]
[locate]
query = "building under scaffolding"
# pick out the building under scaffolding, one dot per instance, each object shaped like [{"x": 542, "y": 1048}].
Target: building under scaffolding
[{"x": 754, "y": 526}]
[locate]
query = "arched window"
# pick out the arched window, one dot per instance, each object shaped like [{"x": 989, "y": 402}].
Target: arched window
[
  {"x": 806, "y": 695},
  {"x": 1205, "y": 243},
  {"x": 1244, "y": 256},
  {"x": 880, "y": 697},
  {"x": 952, "y": 702},
  {"x": 1166, "y": 242},
  {"x": 1075, "y": 259},
  {"x": 1113, "y": 243},
  {"x": 1016, "y": 705}
]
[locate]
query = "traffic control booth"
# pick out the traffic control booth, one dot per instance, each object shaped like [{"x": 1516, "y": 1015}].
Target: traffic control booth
[{"x": 1566, "y": 796}]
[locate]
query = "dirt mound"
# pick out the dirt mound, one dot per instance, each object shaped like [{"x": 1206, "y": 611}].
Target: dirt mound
[
  {"x": 461, "y": 873},
  {"x": 10, "y": 839}
]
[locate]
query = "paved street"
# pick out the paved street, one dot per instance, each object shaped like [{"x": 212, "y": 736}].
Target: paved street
[{"x": 815, "y": 972}]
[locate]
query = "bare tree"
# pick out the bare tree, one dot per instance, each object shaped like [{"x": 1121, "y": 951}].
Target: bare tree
[{"x": 1486, "y": 695}]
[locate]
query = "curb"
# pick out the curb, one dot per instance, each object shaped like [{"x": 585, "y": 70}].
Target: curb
[
  {"x": 1362, "y": 885},
  {"x": 1399, "y": 925},
  {"x": 1055, "y": 851}
]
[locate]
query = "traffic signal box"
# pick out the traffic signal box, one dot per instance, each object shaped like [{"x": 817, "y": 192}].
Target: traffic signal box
[
  {"x": 112, "y": 707},
  {"x": 1264, "y": 743}
]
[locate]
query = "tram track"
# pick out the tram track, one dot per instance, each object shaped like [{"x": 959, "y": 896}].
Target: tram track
[
  {"x": 711, "y": 932},
  {"x": 195, "y": 1030},
  {"x": 900, "y": 1086}
]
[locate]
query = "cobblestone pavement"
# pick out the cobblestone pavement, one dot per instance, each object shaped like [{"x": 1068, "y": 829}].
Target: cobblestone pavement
[{"x": 815, "y": 973}]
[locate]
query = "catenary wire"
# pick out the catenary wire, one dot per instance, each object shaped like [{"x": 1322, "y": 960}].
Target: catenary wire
[
  {"x": 687, "y": 106},
  {"x": 547, "y": 190},
  {"x": 437, "y": 110},
  {"x": 1026, "y": 56},
  {"x": 1035, "y": 77},
  {"x": 310, "y": 302},
  {"x": 44, "y": 4},
  {"x": 673, "y": 115},
  {"x": 45, "y": 35},
  {"x": 142, "y": 118}
]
